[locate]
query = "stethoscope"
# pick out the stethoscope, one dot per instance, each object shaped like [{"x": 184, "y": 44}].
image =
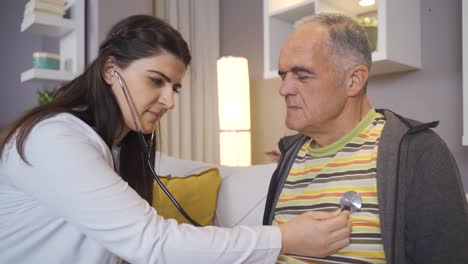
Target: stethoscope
[
  {"x": 351, "y": 201},
  {"x": 148, "y": 151}
]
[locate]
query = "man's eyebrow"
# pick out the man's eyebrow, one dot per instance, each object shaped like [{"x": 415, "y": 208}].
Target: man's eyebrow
[
  {"x": 164, "y": 76},
  {"x": 297, "y": 69}
]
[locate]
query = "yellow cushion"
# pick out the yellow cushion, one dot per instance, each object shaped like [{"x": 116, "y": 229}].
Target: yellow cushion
[{"x": 197, "y": 194}]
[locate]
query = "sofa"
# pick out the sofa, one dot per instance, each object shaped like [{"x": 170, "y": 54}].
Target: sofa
[{"x": 242, "y": 193}]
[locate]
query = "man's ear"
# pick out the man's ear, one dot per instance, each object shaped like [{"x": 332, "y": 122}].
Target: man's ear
[
  {"x": 356, "y": 80},
  {"x": 108, "y": 67}
]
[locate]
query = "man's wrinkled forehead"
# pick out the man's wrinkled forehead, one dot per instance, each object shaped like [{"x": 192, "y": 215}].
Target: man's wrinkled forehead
[{"x": 307, "y": 35}]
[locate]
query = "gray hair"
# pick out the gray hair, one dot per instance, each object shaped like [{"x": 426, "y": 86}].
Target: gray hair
[{"x": 348, "y": 44}]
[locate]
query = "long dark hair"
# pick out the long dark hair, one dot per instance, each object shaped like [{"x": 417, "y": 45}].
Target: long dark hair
[{"x": 90, "y": 98}]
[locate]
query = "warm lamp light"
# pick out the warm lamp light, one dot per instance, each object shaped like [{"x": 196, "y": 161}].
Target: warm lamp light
[
  {"x": 234, "y": 111},
  {"x": 366, "y": 2}
]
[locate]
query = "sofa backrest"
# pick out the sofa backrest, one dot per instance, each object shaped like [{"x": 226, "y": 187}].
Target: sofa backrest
[{"x": 242, "y": 195}]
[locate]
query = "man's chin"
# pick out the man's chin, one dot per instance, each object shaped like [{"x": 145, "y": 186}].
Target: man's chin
[{"x": 293, "y": 126}]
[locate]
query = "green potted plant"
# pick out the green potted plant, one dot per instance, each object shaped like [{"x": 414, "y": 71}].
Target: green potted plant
[
  {"x": 370, "y": 27},
  {"x": 44, "y": 96}
]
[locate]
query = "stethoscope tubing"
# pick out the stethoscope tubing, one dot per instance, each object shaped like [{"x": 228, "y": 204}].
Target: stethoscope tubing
[{"x": 147, "y": 155}]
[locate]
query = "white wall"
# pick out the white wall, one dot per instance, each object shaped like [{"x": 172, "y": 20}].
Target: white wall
[{"x": 103, "y": 14}]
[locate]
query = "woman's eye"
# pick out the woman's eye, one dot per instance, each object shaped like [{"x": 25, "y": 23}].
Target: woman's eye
[
  {"x": 157, "y": 82},
  {"x": 177, "y": 89}
]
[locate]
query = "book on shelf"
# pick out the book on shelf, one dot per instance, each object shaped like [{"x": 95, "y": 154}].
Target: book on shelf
[
  {"x": 43, "y": 7},
  {"x": 59, "y": 3},
  {"x": 55, "y": 2}
]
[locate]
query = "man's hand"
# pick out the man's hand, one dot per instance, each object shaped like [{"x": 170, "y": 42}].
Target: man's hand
[{"x": 316, "y": 234}]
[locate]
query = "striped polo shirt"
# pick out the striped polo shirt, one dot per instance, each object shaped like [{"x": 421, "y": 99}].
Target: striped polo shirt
[{"x": 320, "y": 176}]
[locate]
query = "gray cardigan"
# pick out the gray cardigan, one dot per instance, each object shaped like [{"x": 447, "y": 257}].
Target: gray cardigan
[{"x": 422, "y": 205}]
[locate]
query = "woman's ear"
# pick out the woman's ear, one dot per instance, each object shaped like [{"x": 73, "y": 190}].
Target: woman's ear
[
  {"x": 107, "y": 70},
  {"x": 357, "y": 78}
]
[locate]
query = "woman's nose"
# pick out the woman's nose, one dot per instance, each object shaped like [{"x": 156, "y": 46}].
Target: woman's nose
[{"x": 167, "y": 97}]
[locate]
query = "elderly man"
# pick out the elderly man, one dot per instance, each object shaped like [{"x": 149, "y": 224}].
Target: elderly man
[{"x": 414, "y": 209}]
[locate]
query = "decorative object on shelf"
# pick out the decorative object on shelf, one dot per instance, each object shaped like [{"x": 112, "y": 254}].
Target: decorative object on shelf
[
  {"x": 44, "y": 60},
  {"x": 44, "y": 96},
  {"x": 234, "y": 111},
  {"x": 46, "y": 7},
  {"x": 370, "y": 27}
]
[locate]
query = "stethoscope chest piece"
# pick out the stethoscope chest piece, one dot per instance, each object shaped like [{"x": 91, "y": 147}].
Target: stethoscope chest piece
[{"x": 351, "y": 201}]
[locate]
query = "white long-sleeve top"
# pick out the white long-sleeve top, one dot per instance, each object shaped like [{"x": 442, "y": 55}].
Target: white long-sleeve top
[{"x": 69, "y": 206}]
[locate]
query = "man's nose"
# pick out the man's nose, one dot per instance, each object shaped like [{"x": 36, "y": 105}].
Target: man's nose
[{"x": 288, "y": 86}]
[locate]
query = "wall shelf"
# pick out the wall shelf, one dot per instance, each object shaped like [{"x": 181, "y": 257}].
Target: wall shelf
[
  {"x": 70, "y": 32},
  {"x": 46, "y": 75},
  {"x": 398, "y": 37},
  {"x": 47, "y": 25}
]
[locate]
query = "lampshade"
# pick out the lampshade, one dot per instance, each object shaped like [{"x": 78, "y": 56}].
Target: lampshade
[
  {"x": 234, "y": 111},
  {"x": 233, "y": 93}
]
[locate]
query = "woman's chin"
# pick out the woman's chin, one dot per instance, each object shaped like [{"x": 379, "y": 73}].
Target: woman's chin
[{"x": 147, "y": 129}]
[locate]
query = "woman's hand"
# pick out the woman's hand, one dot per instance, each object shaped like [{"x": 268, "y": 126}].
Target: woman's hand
[{"x": 316, "y": 233}]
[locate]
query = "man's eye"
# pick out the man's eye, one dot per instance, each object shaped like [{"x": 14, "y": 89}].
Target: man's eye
[{"x": 302, "y": 77}]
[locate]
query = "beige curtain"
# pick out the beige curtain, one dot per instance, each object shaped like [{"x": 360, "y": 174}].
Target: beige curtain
[{"x": 191, "y": 130}]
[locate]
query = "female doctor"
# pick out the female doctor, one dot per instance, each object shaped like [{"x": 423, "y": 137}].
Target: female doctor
[{"x": 62, "y": 200}]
